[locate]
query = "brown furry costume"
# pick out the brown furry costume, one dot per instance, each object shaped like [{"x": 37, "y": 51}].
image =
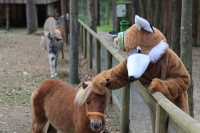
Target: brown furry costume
[{"x": 165, "y": 71}]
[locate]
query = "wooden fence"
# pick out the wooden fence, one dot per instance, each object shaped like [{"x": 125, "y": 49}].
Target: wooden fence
[{"x": 165, "y": 117}]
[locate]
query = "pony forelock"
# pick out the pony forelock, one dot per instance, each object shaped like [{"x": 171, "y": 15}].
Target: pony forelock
[{"x": 83, "y": 94}]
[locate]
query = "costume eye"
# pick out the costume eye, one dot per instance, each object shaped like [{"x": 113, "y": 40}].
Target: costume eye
[{"x": 139, "y": 50}]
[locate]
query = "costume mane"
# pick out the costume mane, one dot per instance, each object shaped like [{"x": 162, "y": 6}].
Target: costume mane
[{"x": 83, "y": 94}]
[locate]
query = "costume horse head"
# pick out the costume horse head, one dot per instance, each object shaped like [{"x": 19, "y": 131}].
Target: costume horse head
[{"x": 67, "y": 109}]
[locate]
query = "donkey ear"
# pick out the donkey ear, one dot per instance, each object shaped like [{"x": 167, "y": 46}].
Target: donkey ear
[
  {"x": 84, "y": 85},
  {"x": 49, "y": 36},
  {"x": 143, "y": 23},
  {"x": 61, "y": 17}
]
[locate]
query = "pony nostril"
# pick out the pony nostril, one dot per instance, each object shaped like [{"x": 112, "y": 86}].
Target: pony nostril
[
  {"x": 96, "y": 126},
  {"x": 100, "y": 124},
  {"x": 52, "y": 58}
]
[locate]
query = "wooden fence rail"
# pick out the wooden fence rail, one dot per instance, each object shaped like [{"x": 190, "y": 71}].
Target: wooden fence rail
[{"x": 165, "y": 116}]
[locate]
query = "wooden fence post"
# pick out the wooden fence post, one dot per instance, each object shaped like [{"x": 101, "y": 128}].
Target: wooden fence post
[
  {"x": 108, "y": 66},
  {"x": 84, "y": 42},
  {"x": 98, "y": 57},
  {"x": 89, "y": 52},
  {"x": 125, "y": 109},
  {"x": 161, "y": 120},
  {"x": 81, "y": 36}
]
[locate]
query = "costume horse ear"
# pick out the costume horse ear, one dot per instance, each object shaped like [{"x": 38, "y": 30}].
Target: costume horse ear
[
  {"x": 143, "y": 23},
  {"x": 84, "y": 85}
]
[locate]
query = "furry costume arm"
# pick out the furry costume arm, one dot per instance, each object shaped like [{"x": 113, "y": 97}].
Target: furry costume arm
[
  {"x": 177, "y": 79},
  {"x": 114, "y": 78}
]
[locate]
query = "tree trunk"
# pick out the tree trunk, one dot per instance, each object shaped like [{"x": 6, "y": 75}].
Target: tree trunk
[
  {"x": 115, "y": 24},
  {"x": 135, "y": 8},
  {"x": 157, "y": 17},
  {"x": 186, "y": 45},
  {"x": 7, "y": 17},
  {"x": 97, "y": 12},
  {"x": 92, "y": 15},
  {"x": 151, "y": 11},
  {"x": 108, "y": 13},
  {"x": 175, "y": 26},
  {"x": 143, "y": 8},
  {"x": 64, "y": 11},
  {"x": 31, "y": 17},
  {"x": 74, "y": 53}
]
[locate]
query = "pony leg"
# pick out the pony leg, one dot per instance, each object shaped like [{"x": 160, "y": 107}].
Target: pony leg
[
  {"x": 37, "y": 127},
  {"x": 51, "y": 129}
]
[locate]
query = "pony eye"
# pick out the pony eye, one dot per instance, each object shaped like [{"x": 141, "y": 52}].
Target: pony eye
[
  {"x": 88, "y": 102},
  {"x": 103, "y": 102},
  {"x": 139, "y": 50}
]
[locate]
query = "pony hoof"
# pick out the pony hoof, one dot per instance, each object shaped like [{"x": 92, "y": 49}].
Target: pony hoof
[
  {"x": 55, "y": 74},
  {"x": 52, "y": 76}
]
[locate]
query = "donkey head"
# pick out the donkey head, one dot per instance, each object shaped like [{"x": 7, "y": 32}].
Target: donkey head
[
  {"x": 54, "y": 46},
  {"x": 58, "y": 22}
]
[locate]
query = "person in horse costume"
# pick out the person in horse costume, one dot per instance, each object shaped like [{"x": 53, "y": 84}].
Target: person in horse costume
[{"x": 151, "y": 61}]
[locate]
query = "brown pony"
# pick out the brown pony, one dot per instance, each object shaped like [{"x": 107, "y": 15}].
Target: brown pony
[{"x": 67, "y": 109}]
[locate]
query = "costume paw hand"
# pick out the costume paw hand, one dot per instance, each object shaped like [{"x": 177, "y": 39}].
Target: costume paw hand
[
  {"x": 157, "y": 86},
  {"x": 100, "y": 82}
]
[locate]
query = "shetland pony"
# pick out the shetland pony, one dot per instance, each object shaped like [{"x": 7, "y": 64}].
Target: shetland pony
[
  {"x": 67, "y": 109},
  {"x": 53, "y": 41}
]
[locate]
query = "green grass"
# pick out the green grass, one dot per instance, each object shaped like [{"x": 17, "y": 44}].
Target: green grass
[
  {"x": 18, "y": 96},
  {"x": 105, "y": 28}
]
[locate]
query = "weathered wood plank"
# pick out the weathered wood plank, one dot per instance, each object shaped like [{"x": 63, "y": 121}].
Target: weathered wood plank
[
  {"x": 185, "y": 121},
  {"x": 89, "y": 53},
  {"x": 98, "y": 56},
  {"x": 125, "y": 109}
]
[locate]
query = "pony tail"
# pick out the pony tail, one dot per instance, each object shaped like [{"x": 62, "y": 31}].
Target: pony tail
[{"x": 32, "y": 113}]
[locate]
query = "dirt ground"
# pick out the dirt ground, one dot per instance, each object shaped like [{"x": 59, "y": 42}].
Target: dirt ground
[{"x": 24, "y": 64}]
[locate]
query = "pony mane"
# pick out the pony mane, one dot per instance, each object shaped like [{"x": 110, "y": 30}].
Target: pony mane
[{"x": 83, "y": 94}]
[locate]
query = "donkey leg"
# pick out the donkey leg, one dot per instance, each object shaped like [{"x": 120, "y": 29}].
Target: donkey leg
[
  {"x": 51, "y": 129},
  {"x": 55, "y": 66},
  {"x": 52, "y": 66},
  {"x": 62, "y": 52}
]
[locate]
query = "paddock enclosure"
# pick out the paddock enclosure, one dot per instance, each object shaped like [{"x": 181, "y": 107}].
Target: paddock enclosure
[
  {"x": 16, "y": 11},
  {"x": 139, "y": 110}
]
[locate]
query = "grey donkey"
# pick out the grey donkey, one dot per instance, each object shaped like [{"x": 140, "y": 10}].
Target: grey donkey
[
  {"x": 53, "y": 22},
  {"x": 53, "y": 41}
]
